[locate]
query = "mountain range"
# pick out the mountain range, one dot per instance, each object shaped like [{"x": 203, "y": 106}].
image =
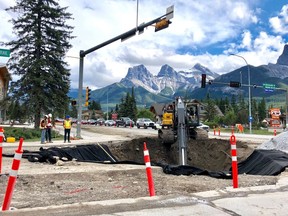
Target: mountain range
[{"x": 168, "y": 83}]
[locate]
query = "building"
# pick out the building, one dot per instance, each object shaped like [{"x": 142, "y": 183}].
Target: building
[{"x": 4, "y": 83}]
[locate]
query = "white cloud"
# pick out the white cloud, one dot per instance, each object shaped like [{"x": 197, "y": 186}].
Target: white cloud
[{"x": 280, "y": 23}]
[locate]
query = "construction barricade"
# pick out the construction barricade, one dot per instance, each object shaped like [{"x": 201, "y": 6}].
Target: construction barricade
[
  {"x": 12, "y": 177},
  {"x": 149, "y": 171},
  {"x": 234, "y": 161}
]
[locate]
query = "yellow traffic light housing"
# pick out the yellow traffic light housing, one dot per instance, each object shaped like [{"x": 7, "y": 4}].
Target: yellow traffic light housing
[
  {"x": 87, "y": 98},
  {"x": 162, "y": 24}
]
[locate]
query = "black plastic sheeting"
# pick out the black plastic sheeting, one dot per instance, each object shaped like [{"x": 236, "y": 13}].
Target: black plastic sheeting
[
  {"x": 260, "y": 162},
  {"x": 82, "y": 153},
  {"x": 264, "y": 162}
]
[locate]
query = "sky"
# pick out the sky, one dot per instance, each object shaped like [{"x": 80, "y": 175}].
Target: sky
[{"x": 204, "y": 32}]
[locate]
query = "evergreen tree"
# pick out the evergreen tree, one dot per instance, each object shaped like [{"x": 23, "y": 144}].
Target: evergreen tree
[
  {"x": 254, "y": 111},
  {"x": 127, "y": 107},
  {"x": 37, "y": 56},
  {"x": 94, "y": 105},
  {"x": 210, "y": 110},
  {"x": 221, "y": 105},
  {"x": 134, "y": 106},
  {"x": 262, "y": 110},
  {"x": 234, "y": 104}
]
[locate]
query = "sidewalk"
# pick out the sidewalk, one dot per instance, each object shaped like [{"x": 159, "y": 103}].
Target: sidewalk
[{"x": 252, "y": 201}]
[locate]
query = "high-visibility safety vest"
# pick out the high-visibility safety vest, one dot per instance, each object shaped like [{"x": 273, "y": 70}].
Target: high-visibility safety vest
[{"x": 67, "y": 124}]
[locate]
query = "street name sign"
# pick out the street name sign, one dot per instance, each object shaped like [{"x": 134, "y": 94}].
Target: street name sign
[{"x": 5, "y": 52}]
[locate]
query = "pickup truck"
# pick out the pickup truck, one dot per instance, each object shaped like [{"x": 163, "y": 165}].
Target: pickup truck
[{"x": 125, "y": 122}]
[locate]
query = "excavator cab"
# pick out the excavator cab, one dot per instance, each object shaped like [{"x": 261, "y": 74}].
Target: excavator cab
[{"x": 173, "y": 115}]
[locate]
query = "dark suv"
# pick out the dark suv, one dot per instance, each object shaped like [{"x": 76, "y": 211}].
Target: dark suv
[
  {"x": 125, "y": 122},
  {"x": 145, "y": 122}
]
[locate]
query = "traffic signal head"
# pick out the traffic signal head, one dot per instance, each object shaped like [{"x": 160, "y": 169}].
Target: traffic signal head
[
  {"x": 73, "y": 102},
  {"x": 87, "y": 96},
  {"x": 203, "y": 81},
  {"x": 162, "y": 24},
  {"x": 235, "y": 84}
]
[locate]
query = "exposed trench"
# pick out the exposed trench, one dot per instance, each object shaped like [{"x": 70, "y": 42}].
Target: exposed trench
[{"x": 209, "y": 154}]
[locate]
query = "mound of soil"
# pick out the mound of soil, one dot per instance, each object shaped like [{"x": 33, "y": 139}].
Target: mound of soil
[{"x": 210, "y": 154}]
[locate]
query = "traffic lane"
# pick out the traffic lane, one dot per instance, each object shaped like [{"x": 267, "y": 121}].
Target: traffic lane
[{"x": 253, "y": 139}]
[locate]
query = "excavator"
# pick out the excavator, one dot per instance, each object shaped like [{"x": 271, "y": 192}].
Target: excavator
[
  {"x": 180, "y": 115},
  {"x": 180, "y": 120}
]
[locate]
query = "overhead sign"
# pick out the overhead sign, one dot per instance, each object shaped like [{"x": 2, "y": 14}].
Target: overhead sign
[
  {"x": 5, "y": 52},
  {"x": 269, "y": 86}
]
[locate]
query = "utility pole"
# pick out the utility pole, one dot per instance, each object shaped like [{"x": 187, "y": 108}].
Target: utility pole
[{"x": 161, "y": 22}]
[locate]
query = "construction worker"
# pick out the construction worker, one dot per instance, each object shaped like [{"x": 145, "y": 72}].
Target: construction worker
[
  {"x": 67, "y": 124},
  {"x": 43, "y": 124},
  {"x": 49, "y": 128}
]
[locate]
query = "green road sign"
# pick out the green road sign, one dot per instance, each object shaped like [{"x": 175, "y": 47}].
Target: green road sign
[
  {"x": 5, "y": 52},
  {"x": 269, "y": 86}
]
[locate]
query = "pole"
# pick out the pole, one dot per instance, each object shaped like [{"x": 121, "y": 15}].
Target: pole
[
  {"x": 79, "y": 110},
  {"x": 249, "y": 93},
  {"x": 107, "y": 104},
  {"x": 286, "y": 110}
]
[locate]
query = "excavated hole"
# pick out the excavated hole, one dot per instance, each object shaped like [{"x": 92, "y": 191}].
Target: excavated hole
[{"x": 211, "y": 155}]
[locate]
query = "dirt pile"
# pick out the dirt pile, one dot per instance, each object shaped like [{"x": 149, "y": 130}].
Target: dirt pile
[{"x": 210, "y": 154}]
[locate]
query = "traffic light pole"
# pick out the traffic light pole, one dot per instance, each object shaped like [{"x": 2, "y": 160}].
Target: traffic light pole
[
  {"x": 169, "y": 15},
  {"x": 79, "y": 110}
]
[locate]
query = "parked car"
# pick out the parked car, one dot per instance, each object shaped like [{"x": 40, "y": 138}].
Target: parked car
[
  {"x": 100, "y": 121},
  {"x": 109, "y": 123},
  {"x": 145, "y": 122},
  {"x": 92, "y": 121},
  {"x": 125, "y": 122},
  {"x": 203, "y": 126}
]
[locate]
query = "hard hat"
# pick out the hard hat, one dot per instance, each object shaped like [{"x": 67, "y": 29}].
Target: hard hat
[
  {"x": 50, "y": 115},
  {"x": 67, "y": 116},
  {"x": 46, "y": 116}
]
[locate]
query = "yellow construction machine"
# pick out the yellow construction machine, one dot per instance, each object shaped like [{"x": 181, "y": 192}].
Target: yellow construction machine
[{"x": 180, "y": 118}]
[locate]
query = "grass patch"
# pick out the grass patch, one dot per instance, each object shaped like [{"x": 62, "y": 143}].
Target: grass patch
[{"x": 28, "y": 134}]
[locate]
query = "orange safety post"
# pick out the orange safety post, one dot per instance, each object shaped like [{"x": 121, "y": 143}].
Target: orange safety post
[
  {"x": 12, "y": 177},
  {"x": 214, "y": 130},
  {"x": 275, "y": 132},
  {"x": 232, "y": 130},
  {"x": 130, "y": 124},
  {"x": 234, "y": 161},
  {"x": 1, "y": 151},
  {"x": 218, "y": 131},
  {"x": 149, "y": 171}
]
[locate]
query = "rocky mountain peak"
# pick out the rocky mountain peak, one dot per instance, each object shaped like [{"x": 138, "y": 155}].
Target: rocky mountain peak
[
  {"x": 167, "y": 71},
  {"x": 283, "y": 58},
  {"x": 138, "y": 72}
]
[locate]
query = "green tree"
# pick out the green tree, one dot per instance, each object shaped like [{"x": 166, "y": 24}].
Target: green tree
[
  {"x": 128, "y": 107},
  {"x": 145, "y": 113},
  {"x": 234, "y": 104},
  {"x": 210, "y": 110},
  {"x": 262, "y": 110},
  {"x": 37, "y": 56},
  {"x": 230, "y": 117},
  {"x": 94, "y": 105}
]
